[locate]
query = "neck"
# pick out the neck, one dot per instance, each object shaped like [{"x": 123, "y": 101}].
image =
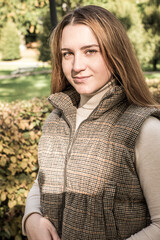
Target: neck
[{"x": 90, "y": 101}]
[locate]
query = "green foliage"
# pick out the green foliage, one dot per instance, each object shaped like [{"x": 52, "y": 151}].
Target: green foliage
[
  {"x": 154, "y": 86},
  {"x": 151, "y": 20},
  {"x": 10, "y": 42},
  {"x": 129, "y": 15},
  {"x": 45, "y": 53},
  {"x": 25, "y": 14},
  {"x": 21, "y": 124}
]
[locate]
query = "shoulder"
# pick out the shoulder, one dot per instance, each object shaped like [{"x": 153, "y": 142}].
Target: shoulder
[
  {"x": 147, "y": 152},
  {"x": 134, "y": 116},
  {"x": 135, "y": 120},
  {"x": 51, "y": 119},
  {"x": 142, "y": 112},
  {"x": 148, "y": 141},
  {"x": 150, "y": 129}
]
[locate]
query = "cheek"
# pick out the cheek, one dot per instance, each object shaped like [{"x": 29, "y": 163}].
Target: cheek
[
  {"x": 101, "y": 69},
  {"x": 67, "y": 67},
  {"x": 67, "y": 71},
  {"x": 64, "y": 67},
  {"x": 104, "y": 74},
  {"x": 105, "y": 70},
  {"x": 100, "y": 65}
]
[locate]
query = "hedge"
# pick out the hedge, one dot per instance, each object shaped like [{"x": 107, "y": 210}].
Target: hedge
[
  {"x": 10, "y": 42},
  {"x": 154, "y": 86},
  {"x": 21, "y": 123}
]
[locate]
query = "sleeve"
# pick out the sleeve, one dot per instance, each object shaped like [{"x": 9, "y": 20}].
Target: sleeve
[
  {"x": 32, "y": 203},
  {"x": 147, "y": 152}
]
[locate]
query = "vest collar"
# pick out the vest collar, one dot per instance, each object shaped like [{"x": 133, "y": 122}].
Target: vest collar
[{"x": 68, "y": 100}]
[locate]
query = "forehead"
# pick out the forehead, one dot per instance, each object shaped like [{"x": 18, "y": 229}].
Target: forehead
[{"x": 77, "y": 35}]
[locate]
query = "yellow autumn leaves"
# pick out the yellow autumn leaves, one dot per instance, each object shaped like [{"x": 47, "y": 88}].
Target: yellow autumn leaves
[{"x": 20, "y": 129}]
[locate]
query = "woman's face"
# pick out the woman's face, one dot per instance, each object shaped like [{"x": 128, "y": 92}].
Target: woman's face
[{"x": 82, "y": 62}]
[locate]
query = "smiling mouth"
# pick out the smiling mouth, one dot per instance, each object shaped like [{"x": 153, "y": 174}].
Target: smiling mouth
[{"x": 80, "y": 79}]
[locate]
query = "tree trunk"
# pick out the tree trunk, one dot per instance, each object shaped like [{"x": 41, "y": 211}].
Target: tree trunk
[
  {"x": 155, "y": 64},
  {"x": 53, "y": 13}
]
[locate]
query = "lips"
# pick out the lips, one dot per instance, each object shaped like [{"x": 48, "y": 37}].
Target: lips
[{"x": 81, "y": 79}]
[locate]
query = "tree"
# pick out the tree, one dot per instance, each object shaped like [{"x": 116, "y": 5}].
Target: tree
[
  {"x": 45, "y": 53},
  {"x": 26, "y": 14},
  {"x": 10, "y": 42},
  {"x": 151, "y": 20}
]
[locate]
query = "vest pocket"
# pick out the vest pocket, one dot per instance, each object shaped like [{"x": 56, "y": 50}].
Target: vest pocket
[{"x": 108, "y": 206}]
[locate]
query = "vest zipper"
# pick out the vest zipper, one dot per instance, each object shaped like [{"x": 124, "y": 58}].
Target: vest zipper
[
  {"x": 68, "y": 149},
  {"x": 76, "y": 132},
  {"x": 70, "y": 145}
]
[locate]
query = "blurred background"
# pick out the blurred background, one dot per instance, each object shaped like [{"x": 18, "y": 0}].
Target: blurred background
[{"x": 25, "y": 72}]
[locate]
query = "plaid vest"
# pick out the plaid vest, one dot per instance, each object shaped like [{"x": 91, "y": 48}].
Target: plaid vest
[{"x": 88, "y": 181}]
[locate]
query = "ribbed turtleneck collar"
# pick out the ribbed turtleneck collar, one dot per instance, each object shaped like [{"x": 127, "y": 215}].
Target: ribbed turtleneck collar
[{"x": 90, "y": 101}]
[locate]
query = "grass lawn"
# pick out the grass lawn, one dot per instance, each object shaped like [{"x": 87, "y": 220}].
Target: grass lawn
[
  {"x": 152, "y": 75},
  {"x": 23, "y": 88}
]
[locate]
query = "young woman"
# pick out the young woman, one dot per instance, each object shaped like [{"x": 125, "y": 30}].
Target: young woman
[{"x": 99, "y": 152}]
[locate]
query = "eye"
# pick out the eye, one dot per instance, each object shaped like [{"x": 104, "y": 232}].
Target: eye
[
  {"x": 91, "y": 51},
  {"x": 66, "y": 55}
]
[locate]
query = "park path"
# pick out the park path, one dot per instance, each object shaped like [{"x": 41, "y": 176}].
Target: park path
[
  {"x": 23, "y": 66},
  {"x": 29, "y": 59},
  {"x": 26, "y": 73}
]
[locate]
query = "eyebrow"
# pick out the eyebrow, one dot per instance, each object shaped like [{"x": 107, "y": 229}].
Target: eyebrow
[{"x": 82, "y": 48}]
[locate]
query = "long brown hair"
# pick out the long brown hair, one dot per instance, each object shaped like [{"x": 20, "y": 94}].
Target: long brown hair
[{"x": 115, "y": 47}]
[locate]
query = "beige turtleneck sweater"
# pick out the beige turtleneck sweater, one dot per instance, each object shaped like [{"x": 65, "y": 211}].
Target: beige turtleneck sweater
[{"x": 147, "y": 151}]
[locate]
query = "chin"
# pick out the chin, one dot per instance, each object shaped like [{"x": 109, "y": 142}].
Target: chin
[
  {"x": 83, "y": 92},
  {"x": 84, "y": 88}
]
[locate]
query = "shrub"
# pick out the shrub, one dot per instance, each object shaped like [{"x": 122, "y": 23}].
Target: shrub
[
  {"x": 154, "y": 86},
  {"x": 21, "y": 123},
  {"x": 10, "y": 42}
]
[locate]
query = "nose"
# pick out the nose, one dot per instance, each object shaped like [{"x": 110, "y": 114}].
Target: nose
[{"x": 78, "y": 63}]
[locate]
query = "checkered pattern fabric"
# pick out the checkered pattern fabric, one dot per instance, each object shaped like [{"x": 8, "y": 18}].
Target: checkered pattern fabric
[{"x": 88, "y": 181}]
